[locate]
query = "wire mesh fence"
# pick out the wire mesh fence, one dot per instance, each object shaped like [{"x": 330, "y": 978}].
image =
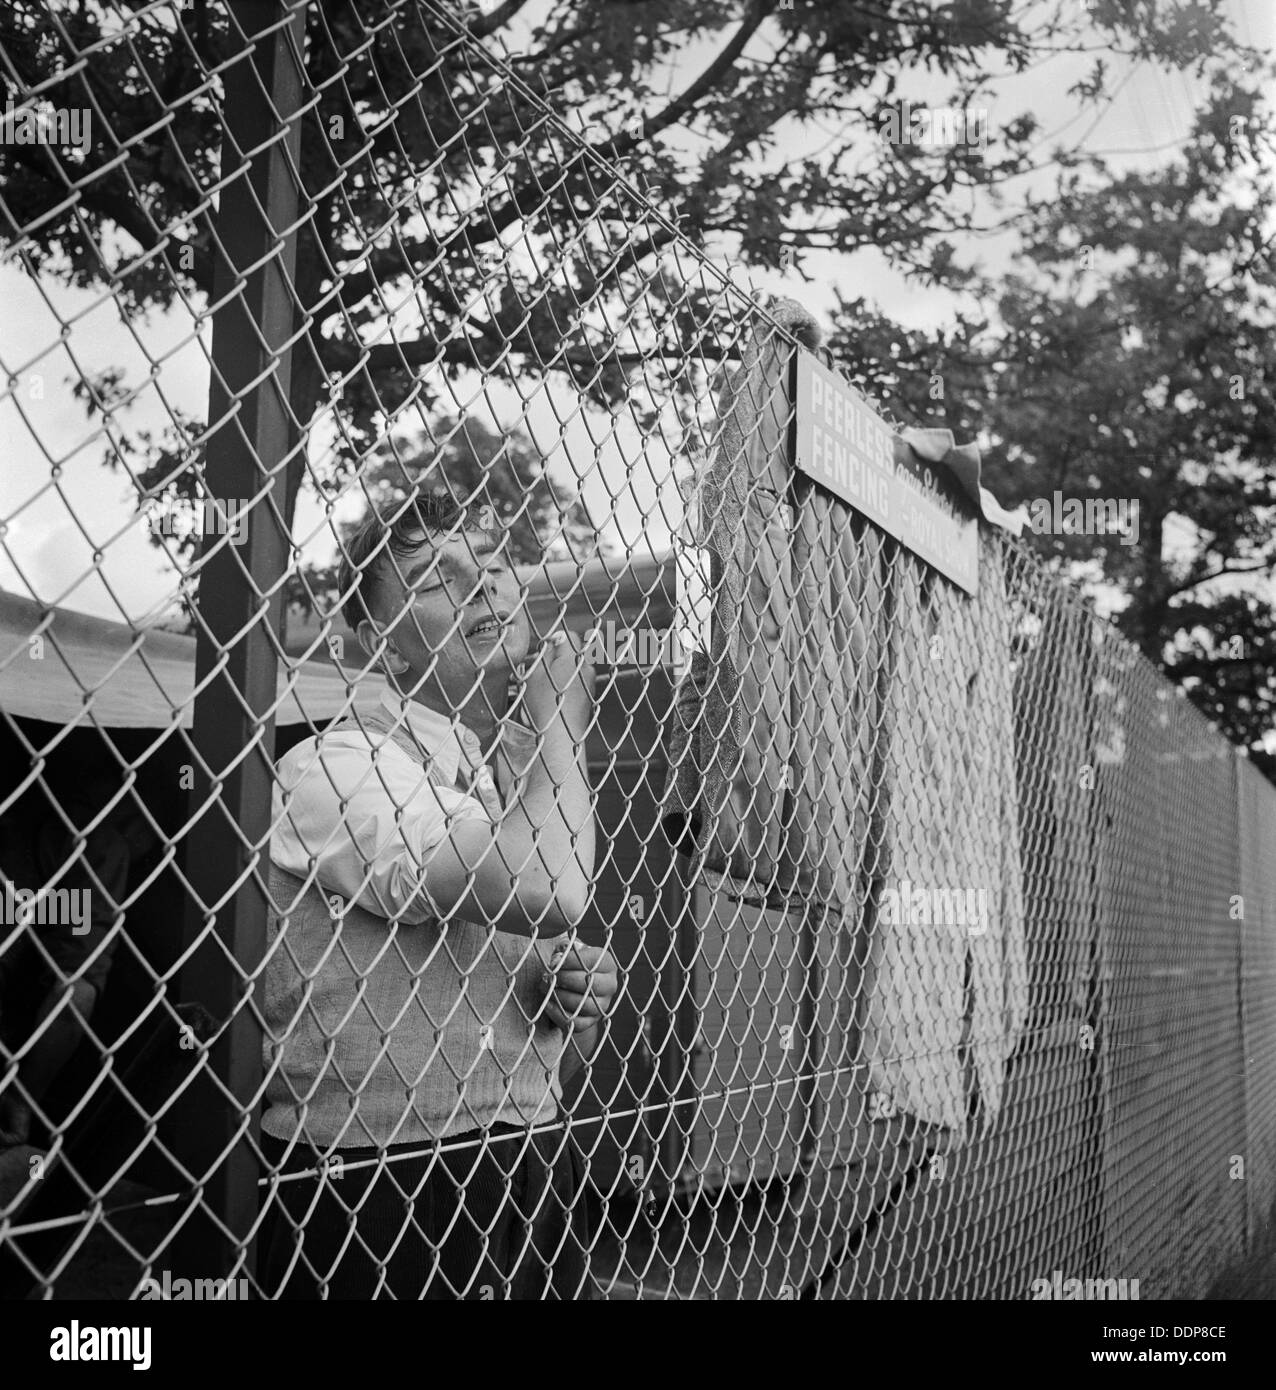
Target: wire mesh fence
[{"x": 571, "y": 852}]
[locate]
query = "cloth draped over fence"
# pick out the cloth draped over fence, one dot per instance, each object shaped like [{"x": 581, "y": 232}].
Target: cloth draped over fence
[
  {"x": 953, "y": 827},
  {"x": 851, "y": 730}
]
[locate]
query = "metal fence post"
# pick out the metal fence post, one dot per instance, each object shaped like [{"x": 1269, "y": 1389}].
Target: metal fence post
[
  {"x": 807, "y": 1093},
  {"x": 679, "y": 1023},
  {"x": 239, "y": 619}
]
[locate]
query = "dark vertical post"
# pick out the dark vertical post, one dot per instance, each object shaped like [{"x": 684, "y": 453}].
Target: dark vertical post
[
  {"x": 252, "y": 442},
  {"x": 680, "y": 1040},
  {"x": 810, "y": 976},
  {"x": 1246, "y": 837}
]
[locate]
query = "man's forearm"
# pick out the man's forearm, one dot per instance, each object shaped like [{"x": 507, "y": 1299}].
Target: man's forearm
[
  {"x": 531, "y": 871},
  {"x": 557, "y": 816}
]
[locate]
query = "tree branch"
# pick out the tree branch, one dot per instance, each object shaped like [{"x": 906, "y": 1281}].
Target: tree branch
[
  {"x": 417, "y": 353},
  {"x": 488, "y": 229},
  {"x": 690, "y": 97},
  {"x": 126, "y": 215},
  {"x": 500, "y": 16},
  {"x": 560, "y": 42},
  {"x": 383, "y": 268},
  {"x": 1199, "y": 667},
  {"x": 1223, "y": 569}
]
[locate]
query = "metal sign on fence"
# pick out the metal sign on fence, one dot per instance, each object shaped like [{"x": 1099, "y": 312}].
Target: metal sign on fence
[{"x": 842, "y": 442}]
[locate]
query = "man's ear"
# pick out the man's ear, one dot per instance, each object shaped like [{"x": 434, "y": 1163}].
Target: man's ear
[{"x": 370, "y": 640}]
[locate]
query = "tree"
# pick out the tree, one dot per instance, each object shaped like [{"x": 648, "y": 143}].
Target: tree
[
  {"x": 453, "y": 227},
  {"x": 1128, "y": 353}
]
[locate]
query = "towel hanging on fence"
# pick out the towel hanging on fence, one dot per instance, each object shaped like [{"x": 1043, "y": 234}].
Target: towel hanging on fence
[
  {"x": 815, "y": 750},
  {"x": 946, "y": 974}
]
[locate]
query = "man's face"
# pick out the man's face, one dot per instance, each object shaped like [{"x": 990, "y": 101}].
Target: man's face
[{"x": 456, "y": 615}]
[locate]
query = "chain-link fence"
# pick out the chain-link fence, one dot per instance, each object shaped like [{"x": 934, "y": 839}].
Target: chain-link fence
[{"x": 573, "y": 852}]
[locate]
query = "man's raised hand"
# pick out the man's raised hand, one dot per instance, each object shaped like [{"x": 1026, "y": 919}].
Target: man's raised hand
[{"x": 561, "y": 684}]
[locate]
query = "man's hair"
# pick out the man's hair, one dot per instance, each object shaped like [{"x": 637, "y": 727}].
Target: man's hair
[{"x": 368, "y": 553}]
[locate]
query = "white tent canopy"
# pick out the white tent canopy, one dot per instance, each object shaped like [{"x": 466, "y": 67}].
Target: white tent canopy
[{"x": 70, "y": 668}]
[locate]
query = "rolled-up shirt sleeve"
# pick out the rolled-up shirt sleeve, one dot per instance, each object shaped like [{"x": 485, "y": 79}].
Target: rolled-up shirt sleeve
[{"x": 363, "y": 824}]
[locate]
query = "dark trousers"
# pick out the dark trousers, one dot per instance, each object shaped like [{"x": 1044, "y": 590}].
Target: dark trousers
[{"x": 506, "y": 1221}]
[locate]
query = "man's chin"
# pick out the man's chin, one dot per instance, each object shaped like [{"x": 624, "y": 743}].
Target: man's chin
[
  {"x": 503, "y": 654},
  {"x": 514, "y": 648}
]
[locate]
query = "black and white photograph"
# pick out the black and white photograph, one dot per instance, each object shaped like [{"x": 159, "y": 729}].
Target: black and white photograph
[{"x": 637, "y": 664}]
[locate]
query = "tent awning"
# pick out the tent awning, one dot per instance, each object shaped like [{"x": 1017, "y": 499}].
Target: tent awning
[{"x": 70, "y": 668}]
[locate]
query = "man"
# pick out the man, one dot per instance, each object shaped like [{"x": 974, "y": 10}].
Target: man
[{"x": 424, "y": 995}]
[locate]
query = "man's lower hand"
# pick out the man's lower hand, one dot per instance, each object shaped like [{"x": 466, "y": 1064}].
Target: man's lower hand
[{"x": 582, "y": 989}]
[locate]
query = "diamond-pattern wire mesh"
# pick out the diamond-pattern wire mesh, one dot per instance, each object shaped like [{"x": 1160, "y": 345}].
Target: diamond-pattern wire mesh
[{"x": 924, "y": 904}]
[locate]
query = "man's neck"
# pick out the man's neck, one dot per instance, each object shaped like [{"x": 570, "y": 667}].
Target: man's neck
[
  {"x": 479, "y": 718},
  {"x": 481, "y": 713}
]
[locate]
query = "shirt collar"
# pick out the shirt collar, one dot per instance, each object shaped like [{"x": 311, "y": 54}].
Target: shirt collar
[
  {"x": 447, "y": 742},
  {"x": 438, "y": 736}
]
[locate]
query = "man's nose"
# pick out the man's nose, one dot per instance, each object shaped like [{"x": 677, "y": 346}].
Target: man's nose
[{"x": 487, "y": 585}]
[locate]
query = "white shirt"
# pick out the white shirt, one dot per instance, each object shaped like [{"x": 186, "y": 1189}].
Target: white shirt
[
  {"x": 384, "y": 1024},
  {"x": 401, "y": 796}
]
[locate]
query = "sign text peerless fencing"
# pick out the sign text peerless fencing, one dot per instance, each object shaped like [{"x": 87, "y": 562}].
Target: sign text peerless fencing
[{"x": 844, "y": 444}]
